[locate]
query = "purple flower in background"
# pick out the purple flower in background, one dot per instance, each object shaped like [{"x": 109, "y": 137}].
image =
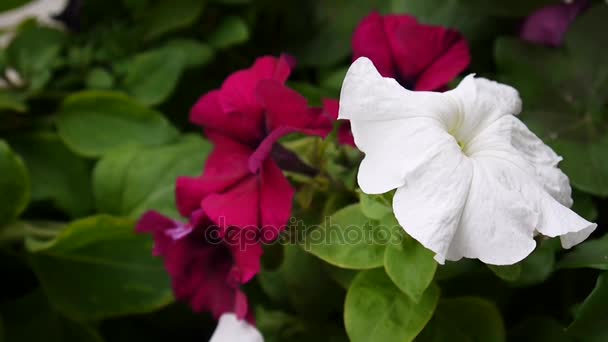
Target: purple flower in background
[{"x": 549, "y": 24}]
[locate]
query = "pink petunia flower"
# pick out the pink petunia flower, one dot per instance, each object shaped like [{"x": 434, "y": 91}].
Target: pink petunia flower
[
  {"x": 244, "y": 119},
  {"x": 420, "y": 57},
  {"x": 548, "y": 25},
  {"x": 205, "y": 270}
]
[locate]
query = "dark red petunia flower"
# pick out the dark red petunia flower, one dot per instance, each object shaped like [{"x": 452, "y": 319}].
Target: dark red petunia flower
[
  {"x": 420, "y": 57},
  {"x": 345, "y": 136},
  {"x": 205, "y": 270},
  {"x": 548, "y": 25},
  {"x": 244, "y": 119}
]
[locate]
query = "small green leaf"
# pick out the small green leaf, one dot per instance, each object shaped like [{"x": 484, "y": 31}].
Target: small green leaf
[
  {"x": 411, "y": 266},
  {"x": 589, "y": 254},
  {"x": 375, "y": 206},
  {"x": 92, "y": 123},
  {"x": 133, "y": 180},
  {"x": 152, "y": 75},
  {"x": 168, "y": 16},
  {"x": 195, "y": 53},
  {"x": 11, "y": 102},
  {"x": 99, "y": 78},
  {"x": 350, "y": 240},
  {"x": 507, "y": 272},
  {"x": 376, "y": 310},
  {"x": 98, "y": 268},
  {"x": 231, "y": 31},
  {"x": 46, "y": 157},
  {"x": 465, "y": 319},
  {"x": 14, "y": 184},
  {"x": 590, "y": 319}
]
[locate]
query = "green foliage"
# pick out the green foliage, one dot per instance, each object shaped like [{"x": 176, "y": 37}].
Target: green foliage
[
  {"x": 376, "y": 310},
  {"x": 93, "y": 123},
  {"x": 97, "y": 267},
  {"x": 14, "y": 184},
  {"x": 590, "y": 318}
]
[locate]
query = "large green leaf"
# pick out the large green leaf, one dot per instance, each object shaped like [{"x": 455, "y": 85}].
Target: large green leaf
[
  {"x": 97, "y": 268},
  {"x": 411, "y": 266},
  {"x": 32, "y": 319},
  {"x": 376, "y": 310},
  {"x": 152, "y": 75},
  {"x": 14, "y": 184},
  {"x": 590, "y": 319},
  {"x": 34, "y": 53},
  {"x": 168, "y": 16},
  {"x": 589, "y": 254},
  {"x": 350, "y": 240},
  {"x": 135, "y": 179},
  {"x": 565, "y": 92},
  {"x": 231, "y": 31},
  {"x": 465, "y": 319},
  {"x": 92, "y": 123},
  {"x": 57, "y": 174}
]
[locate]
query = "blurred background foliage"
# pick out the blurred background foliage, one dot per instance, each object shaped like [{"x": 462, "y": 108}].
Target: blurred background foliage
[{"x": 94, "y": 132}]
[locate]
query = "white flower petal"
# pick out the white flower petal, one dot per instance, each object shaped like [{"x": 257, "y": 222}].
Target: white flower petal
[
  {"x": 429, "y": 208},
  {"x": 366, "y": 95},
  {"x": 231, "y": 329},
  {"x": 404, "y": 146},
  {"x": 508, "y": 134},
  {"x": 497, "y": 225},
  {"x": 482, "y": 101}
]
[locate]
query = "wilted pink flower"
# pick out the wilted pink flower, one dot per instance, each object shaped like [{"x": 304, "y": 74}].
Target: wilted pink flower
[
  {"x": 549, "y": 24},
  {"x": 244, "y": 119},
  {"x": 420, "y": 57},
  {"x": 206, "y": 270}
]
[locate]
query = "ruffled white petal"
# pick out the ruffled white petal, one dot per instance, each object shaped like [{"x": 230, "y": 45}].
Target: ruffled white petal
[
  {"x": 497, "y": 225},
  {"x": 482, "y": 102},
  {"x": 366, "y": 95},
  {"x": 232, "y": 329},
  {"x": 405, "y": 145},
  {"x": 429, "y": 207}
]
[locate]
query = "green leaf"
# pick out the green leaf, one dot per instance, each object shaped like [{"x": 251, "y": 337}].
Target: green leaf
[
  {"x": 465, "y": 319},
  {"x": 507, "y": 272},
  {"x": 12, "y": 102},
  {"x": 350, "y": 240},
  {"x": 539, "y": 329},
  {"x": 99, "y": 78},
  {"x": 375, "y": 206},
  {"x": 590, "y": 319},
  {"x": 7, "y": 5},
  {"x": 14, "y": 184},
  {"x": 34, "y": 53},
  {"x": 98, "y": 268},
  {"x": 133, "y": 180},
  {"x": 194, "y": 53},
  {"x": 511, "y": 8},
  {"x": 92, "y": 123},
  {"x": 152, "y": 76},
  {"x": 589, "y": 254},
  {"x": 169, "y": 16},
  {"x": 410, "y": 266},
  {"x": 565, "y": 92},
  {"x": 231, "y": 31},
  {"x": 31, "y": 318},
  {"x": 376, "y": 310},
  {"x": 46, "y": 158},
  {"x": 584, "y": 206}
]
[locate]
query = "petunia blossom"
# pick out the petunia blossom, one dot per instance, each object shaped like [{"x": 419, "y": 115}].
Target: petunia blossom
[
  {"x": 548, "y": 25},
  {"x": 207, "y": 265},
  {"x": 244, "y": 119},
  {"x": 231, "y": 329},
  {"x": 419, "y": 56},
  {"x": 472, "y": 180}
]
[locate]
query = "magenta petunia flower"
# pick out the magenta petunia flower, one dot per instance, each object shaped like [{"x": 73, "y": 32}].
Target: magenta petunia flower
[
  {"x": 244, "y": 119},
  {"x": 331, "y": 107},
  {"x": 549, "y": 24},
  {"x": 205, "y": 270},
  {"x": 418, "y": 56}
]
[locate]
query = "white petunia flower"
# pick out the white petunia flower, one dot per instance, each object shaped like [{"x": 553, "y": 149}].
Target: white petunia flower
[
  {"x": 232, "y": 329},
  {"x": 472, "y": 180}
]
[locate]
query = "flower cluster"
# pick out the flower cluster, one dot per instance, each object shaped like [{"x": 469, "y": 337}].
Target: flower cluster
[{"x": 242, "y": 198}]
